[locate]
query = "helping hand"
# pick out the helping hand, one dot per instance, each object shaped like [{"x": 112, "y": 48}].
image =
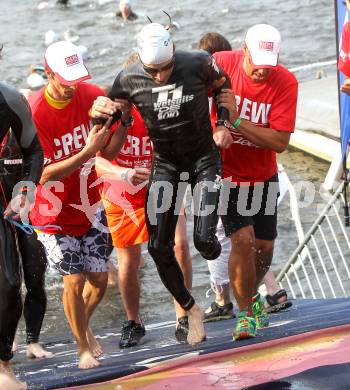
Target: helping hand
[{"x": 222, "y": 137}]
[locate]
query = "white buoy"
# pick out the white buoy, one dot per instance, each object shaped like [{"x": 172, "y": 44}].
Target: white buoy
[
  {"x": 51, "y": 37},
  {"x": 35, "y": 81}
]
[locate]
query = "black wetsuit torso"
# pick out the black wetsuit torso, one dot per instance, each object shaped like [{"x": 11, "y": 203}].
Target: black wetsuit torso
[
  {"x": 15, "y": 114},
  {"x": 177, "y": 117},
  {"x": 176, "y": 114}
]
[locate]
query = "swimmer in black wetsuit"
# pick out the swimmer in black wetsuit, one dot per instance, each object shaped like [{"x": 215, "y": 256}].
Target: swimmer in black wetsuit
[
  {"x": 15, "y": 114},
  {"x": 170, "y": 89},
  {"x": 32, "y": 252}
]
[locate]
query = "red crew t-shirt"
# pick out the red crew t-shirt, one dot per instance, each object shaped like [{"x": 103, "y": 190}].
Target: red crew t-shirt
[
  {"x": 63, "y": 133},
  {"x": 136, "y": 153},
  {"x": 344, "y": 54},
  {"x": 270, "y": 104}
]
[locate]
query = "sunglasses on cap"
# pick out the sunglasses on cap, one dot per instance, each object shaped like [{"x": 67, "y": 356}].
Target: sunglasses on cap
[{"x": 154, "y": 71}]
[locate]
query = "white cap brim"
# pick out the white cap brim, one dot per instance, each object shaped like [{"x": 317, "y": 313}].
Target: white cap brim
[{"x": 264, "y": 59}]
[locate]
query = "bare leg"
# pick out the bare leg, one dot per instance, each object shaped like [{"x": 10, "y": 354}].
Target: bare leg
[
  {"x": 241, "y": 266},
  {"x": 94, "y": 290},
  {"x": 183, "y": 257},
  {"x": 112, "y": 274},
  {"x": 8, "y": 379},
  {"x": 196, "y": 332},
  {"x": 263, "y": 258},
  {"x": 222, "y": 294},
  {"x": 15, "y": 344},
  {"x": 129, "y": 284},
  {"x": 74, "y": 309},
  {"x": 270, "y": 282}
]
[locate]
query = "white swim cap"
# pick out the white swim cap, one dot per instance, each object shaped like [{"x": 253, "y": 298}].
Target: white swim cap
[
  {"x": 154, "y": 44},
  {"x": 125, "y": 2},
  {"x": 35, "y": 81}
]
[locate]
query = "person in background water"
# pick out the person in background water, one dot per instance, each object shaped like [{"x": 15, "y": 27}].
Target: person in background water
[
  {"x": 73, "y": 245},
  {"x": 125, "y": 12},
  {"x": 15, "y": 114},
  {"x": 172, "y": 88},
  {"x": 262, "y": 106}
]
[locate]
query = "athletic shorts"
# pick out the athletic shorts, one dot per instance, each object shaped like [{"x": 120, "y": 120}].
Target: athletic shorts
[
  {"x": 127, "y": 225},
  {"x": 253, "y": 205},
  {"x": 77, "y": 254}
]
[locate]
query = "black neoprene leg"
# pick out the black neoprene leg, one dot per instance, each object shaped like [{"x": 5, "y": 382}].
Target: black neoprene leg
[
  {"x": 34, "y": 267},
  {"x": 10, "y": 286},
  {"x": 161, "y": 229},
  {"x": 206, "y": 192}
]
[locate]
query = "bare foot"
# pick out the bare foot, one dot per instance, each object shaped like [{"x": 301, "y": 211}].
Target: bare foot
[
  {"x": 8, "y": 379},
  {"x": 15, "y": 345},
  {"x": 196, "y": 332},
  {"x": 94, "y": 345},
  {"x": 87, "y": 361},
  {"x": 36, "y": 351}
]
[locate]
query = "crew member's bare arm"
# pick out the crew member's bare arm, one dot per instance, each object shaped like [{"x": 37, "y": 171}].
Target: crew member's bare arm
[
  {"x": 96, "y": 140},
  {"x": 269, "y": 138},
  {"x": 115, "y": 144}
]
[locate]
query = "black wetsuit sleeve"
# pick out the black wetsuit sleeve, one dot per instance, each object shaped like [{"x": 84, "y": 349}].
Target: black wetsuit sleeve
[
  {"x": 24, "y": 130},
  {"x": 118, "y": 92},
  {"x": 215, "y": 72}
]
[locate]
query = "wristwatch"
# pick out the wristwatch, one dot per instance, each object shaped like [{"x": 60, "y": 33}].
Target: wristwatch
[
  {"x": 225, "y": 123},
  {"x": 128, "y": 123}
]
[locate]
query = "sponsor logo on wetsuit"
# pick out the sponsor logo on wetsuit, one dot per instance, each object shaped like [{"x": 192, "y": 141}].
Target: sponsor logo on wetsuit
[
  {"x": 13, "y": 162},
  {"x": 169, "y": 101}
]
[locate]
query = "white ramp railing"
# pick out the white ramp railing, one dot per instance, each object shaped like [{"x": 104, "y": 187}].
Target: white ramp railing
[{"x": 320, "y": 265}]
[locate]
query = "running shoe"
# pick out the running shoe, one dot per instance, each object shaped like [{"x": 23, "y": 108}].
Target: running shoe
[
  {"x": 259, "y": 312},
  {"x": 245, "y": 326},
  {"x": 131, "y": 334},
  {"x": 181, "y": 331},
  {"x": 217, "y": 313}
]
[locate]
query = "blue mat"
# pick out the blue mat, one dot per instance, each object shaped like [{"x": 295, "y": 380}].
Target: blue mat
[{"x": 160, "y": 345}]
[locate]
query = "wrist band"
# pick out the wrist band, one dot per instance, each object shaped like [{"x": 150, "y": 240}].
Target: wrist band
[
  {"x": 237, "y": 122},
  {"x": 125, "y": 175},
  {"x": 128, "y": 123}
]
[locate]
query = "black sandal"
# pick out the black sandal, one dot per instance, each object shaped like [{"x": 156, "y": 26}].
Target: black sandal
[{"x": 274, "y": 305}]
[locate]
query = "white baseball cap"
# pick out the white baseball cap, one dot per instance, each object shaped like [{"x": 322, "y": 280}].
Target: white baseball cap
[
  {"x": 263, "y": 42},
  {"x": 65, "y": 60},
  {"x": 154, "y": 44}
]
